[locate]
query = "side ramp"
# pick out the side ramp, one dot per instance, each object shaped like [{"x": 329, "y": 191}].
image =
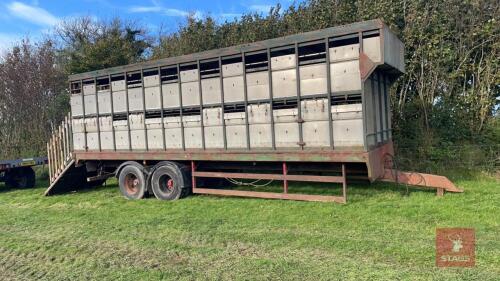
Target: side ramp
[{"x": 440, "y": 183}]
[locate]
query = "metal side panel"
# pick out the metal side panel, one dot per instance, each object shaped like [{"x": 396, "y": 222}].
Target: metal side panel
[
  {"x": 152, "y": 98},
  {"x": 151, "y": 81},
  {"x": 118, "y": 85},
  {"x": 79, "y": 141},
  {"x": 259, "y": 113},
  {"x": 107, "y": 140},
  {"x": 138, "y": 139},
  {"x": 135, "y": 99},
  {"x": 371, "y": 47},
  {"x": 232, "y": 69},
  {"x": 89, "y": 89},
  {"x": 260, "y": 135},
  {"x": 286, "y": 134},
  {"x": 119, "y": 102},
  {"x": 106, "y": 124},
  {"x": 316, "y": 134},
  {"x": 136, "y": 121},
  {"x": 345, "y": 76},
  {"x": 394, "y": 50},
  {"x": 78, "y": 125},
  {"x": 170, "y": 95},
  {"x": 347, "y": 52},
  {"x": 233, "y": 89},
  {"x": 212, "y": 116},
  {"x": 155, "y": 138},
  {"x": 189, "y": 75},
  {"x": 104, "y": 100},
  {"x": 236, "y": 136},
  {"x": 172, "y": 122},
  {"x": 283, "y": 62},
  {"x": 192, "y": 137},
  {"x": 93, "y": 141},
  {"x": 234, "y": 118},
  {"x": 258, "y": 86},
  {"x": 76, "y": 105},
  {"x": 348, "y": 132},
  {"x": 214, "y": 137},
  {"x": 121, "y": 138},
  {"x": 173, "y": 138},
  {"x": 191, "y": 121},
  {"x": 190, "y": 94},
  {"x": 90, "y": 105},
  {"x": 91, "y": 124},
  {"x": 284, "y": 83},
  {"x": 285, "y": 115},
  {"x": 210, "y": 90},
  {"x": 314, "y": 110},
  {"x": 313, "y": 79}
]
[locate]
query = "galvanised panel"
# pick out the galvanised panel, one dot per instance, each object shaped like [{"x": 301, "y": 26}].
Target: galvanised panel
[
  {"x": 155, "y": 138},
  {"x": 258, "y": 86},
  {"x": 191, "y": 121},
  {"x": 260, "y": 135},
  {"x": 104, "y": 102},
  {"x": 153, "y": 123},
  {"x": 347, "y": 111},
  {"x": 106, "y": 124},
  {"x": 316, "y": 133},
  {"x": 90, "y": 105},
  {"x": 212, "y": 116},
  {"x": 236, "y": 136},
  {"x": 313, "y": 79},
  {"x": 78, "y": 125},
  {"x": 192, "y": 137},
  {"x": 232, "y": 69},
  {"x": 189, "y": 75},
  {"x": 152, "y": 98},
  {"x": 314, "y": 110},
  {"x": 121, "y": 138},
  {"x": 173, "y": 138},
  {"x": 214, "y": 137},
  {"x": 172, "y": 122},
  {"x": 106, "y": 140},
  {"x": 138, "y": 139},
  {"x": 91, "y": 124},
  {"x": 285, "y": 115},
  {"x": 119, "y": 102},
  {"x": 284, "y": 83},
  {"x": 136, "y": 121},
  {"x": 259, "y": 113},
  {"x": 210, "y": 90},
  {"x": 346, "y": 52},
  {"x": 233, "y": 89},
  {"x": 76, "y": 105},
  {"x": 345, "y": 76},
  {"x": 135, "y": 102},
  {"x": 282, "y": 62},
  {"x": 89, "y": 89},
  {"x": 234, "y": 118},
  {"x": 190, "y": 94},
  {"x": 151, "y": 81},
  {"x": 118, "y": 85},
  {"x": 170, "y": 95},
  {"x": 93, "y": 141},
  {"x": 371, "y": 47},
  {"x": 286, "y": 134},
  {"x": 394, "y": 50},
  {"x": 78, "y": 141},
  {"x": 348, "y": 132}
]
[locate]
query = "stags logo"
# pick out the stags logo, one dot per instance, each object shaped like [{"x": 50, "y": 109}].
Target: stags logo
[{"x": 455, "y": 247}]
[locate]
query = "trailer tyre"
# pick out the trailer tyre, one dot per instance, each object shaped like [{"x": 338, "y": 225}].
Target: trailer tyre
[
  {"x": 20, "y": 178},
  {"x": 132, "y": 182},
  {"x": 167, "y": 182}
]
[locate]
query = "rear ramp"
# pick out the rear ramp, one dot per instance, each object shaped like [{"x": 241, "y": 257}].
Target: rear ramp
[
  {"x": 71, "y": 178},
  {"x": 440, "y": 183}
]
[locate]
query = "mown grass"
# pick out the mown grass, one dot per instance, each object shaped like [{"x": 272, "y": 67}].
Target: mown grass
[{"x": 381, "y": 234}]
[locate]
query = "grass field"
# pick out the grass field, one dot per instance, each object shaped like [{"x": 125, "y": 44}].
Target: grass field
[{"x": 381, "y": 234}]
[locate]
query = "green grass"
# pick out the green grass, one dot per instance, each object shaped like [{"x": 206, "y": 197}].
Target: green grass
[{"x": 381, "y": 234}]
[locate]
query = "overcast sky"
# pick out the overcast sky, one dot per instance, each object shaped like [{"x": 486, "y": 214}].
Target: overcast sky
[{"x": 19, "y": 19}]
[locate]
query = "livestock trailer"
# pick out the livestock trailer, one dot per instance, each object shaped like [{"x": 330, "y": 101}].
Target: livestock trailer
[{"x": 307, "y": 107}]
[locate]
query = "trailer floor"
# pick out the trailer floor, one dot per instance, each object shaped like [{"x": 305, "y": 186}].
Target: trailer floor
[{"x": 381, "y": 234}]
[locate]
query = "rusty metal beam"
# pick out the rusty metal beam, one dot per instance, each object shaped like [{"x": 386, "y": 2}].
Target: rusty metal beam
[
  {"x": 440, "y": 183},
  {"x": 283, "y": 177}
]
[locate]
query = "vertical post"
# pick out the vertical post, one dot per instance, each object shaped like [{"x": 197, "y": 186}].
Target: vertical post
[
  {"x": 329, "y": 91},
  {"x": 112, "y": 111},
  {"x": 285, "y": 180},
  {"x": 49, "y": 160},
  {"x": 344, "y": 183},
  {"x": 193, "y": 177},
  {"x": 128, "y": 113},
  {"x": 144, "y": 111},
  {"x": 380, "y": 119},
  {"x": 299, "y": 109},
  {"x": 270, "y": 78},
  {"x": 83, "y": 116},
  {"x": 98, "y": 120},
  {"x": 180, "y": 107},
  {"x": 164, "y": 144},
  {"x": 221, "y": 82},
  {"x": 245, "y": 97},
  {"x": 363, "y": 99},
  {"x": 200, "y": 92}
]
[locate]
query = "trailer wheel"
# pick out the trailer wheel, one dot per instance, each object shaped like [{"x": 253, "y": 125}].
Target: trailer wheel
[
  {"x": 132, "y": 182},
  {"x": 20, "y": 178},
  {"x": 167, "y": 182}
]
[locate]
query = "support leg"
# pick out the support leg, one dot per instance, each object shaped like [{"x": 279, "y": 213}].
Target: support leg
[
  {"x": 344, "y": 183},
  {"x": 193, "y": 177},
  {"x": 285, "y": 181}
]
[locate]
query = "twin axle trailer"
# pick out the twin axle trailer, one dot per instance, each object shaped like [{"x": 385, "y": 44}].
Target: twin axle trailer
[{"x": 311, "y": 107}]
